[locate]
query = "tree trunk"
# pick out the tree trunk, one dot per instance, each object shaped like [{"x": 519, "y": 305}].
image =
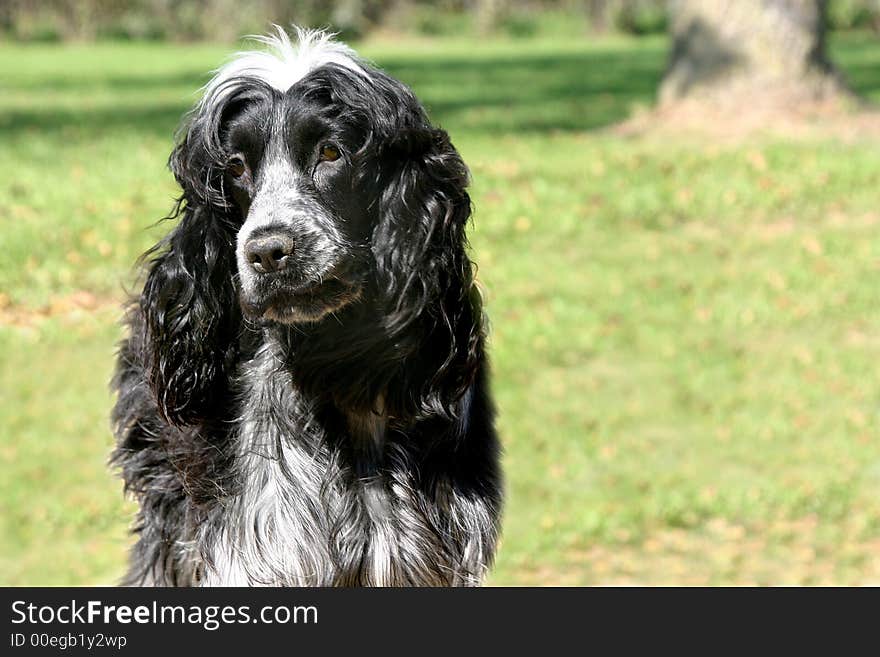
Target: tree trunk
[
  {"x": 747, "y": 52},
  {"x": 597, "y": 15},
  {"x": 487, "y": 13}
]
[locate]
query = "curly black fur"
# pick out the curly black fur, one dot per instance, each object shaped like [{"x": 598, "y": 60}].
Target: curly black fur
[{"x": 351, "y": 446}]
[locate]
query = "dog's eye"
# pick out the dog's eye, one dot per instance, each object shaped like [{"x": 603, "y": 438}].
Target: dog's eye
[
  {"x": 236, "y": 166},
  {"x": 329, "y": 153}
]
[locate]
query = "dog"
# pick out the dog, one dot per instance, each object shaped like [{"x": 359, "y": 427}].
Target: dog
[{"x": 303, "y": 398}]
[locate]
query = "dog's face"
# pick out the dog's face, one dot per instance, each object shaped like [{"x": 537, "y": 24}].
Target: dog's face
[
  {"x": 332, "y": 180},
  {"x": 303, "y": 247},
  {"x": 313, "y": 183}
]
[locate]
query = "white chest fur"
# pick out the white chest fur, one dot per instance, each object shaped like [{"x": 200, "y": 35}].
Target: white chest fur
[
  {"x": 304, "y": 515},
  {"x": 296, "y": 517}
]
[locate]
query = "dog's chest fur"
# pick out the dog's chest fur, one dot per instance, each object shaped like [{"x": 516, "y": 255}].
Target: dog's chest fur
[{"x": 314, "y": 509}]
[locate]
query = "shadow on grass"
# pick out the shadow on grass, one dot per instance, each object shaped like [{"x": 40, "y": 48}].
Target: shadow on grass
[
  {"x": 529, "y": 91},
  {"x": 526, "y": 92},
  {"x": 858, "y": 57},
  {"x": 534, "y": 93},
  {"x": 156, "y": 119},
  {"x": 115, "y": 82},
  {"x": 864, "y": 80}
]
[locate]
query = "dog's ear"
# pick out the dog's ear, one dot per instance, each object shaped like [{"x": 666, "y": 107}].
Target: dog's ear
[
  {"x": 188, "y": 306},
  {"x": 190, "y": 316},
  {"x": 423, "y": 267}
]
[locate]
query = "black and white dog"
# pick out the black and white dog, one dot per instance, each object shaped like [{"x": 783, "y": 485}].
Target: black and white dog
[{"x": 303, "y": 395}]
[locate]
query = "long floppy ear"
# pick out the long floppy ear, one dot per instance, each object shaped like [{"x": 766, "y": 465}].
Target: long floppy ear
[
  {"x": 188, "y": 307},
  {"x": 420, "y": 247}
]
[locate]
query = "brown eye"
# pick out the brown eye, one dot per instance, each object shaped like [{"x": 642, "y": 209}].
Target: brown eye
[
  {"x": 236, "y": 166},
  {"x": 329, "y": 153}
]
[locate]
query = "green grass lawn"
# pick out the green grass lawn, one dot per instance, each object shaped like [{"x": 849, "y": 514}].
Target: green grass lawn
[{"x": 685, "y": 333}]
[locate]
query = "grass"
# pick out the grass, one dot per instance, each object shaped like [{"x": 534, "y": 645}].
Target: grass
[{"x": 685, "y": 332}]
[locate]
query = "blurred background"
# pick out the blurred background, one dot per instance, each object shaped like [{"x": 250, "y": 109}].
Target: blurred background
[{"x": 676, "y": 224}]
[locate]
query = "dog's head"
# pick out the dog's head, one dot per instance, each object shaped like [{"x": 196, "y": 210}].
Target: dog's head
[
  {"x": 312, "y": 182},
  {"x": 295, "y": 146}
]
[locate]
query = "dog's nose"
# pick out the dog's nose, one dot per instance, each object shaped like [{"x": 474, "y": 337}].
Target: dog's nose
[{"x": 269, "y": 253}]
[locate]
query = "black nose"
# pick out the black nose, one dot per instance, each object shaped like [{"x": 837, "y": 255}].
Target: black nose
[{"x": 269, "y": 253}]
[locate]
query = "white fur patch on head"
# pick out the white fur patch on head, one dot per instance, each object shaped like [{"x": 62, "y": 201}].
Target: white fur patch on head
[{"x": 284, "y": 62}]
